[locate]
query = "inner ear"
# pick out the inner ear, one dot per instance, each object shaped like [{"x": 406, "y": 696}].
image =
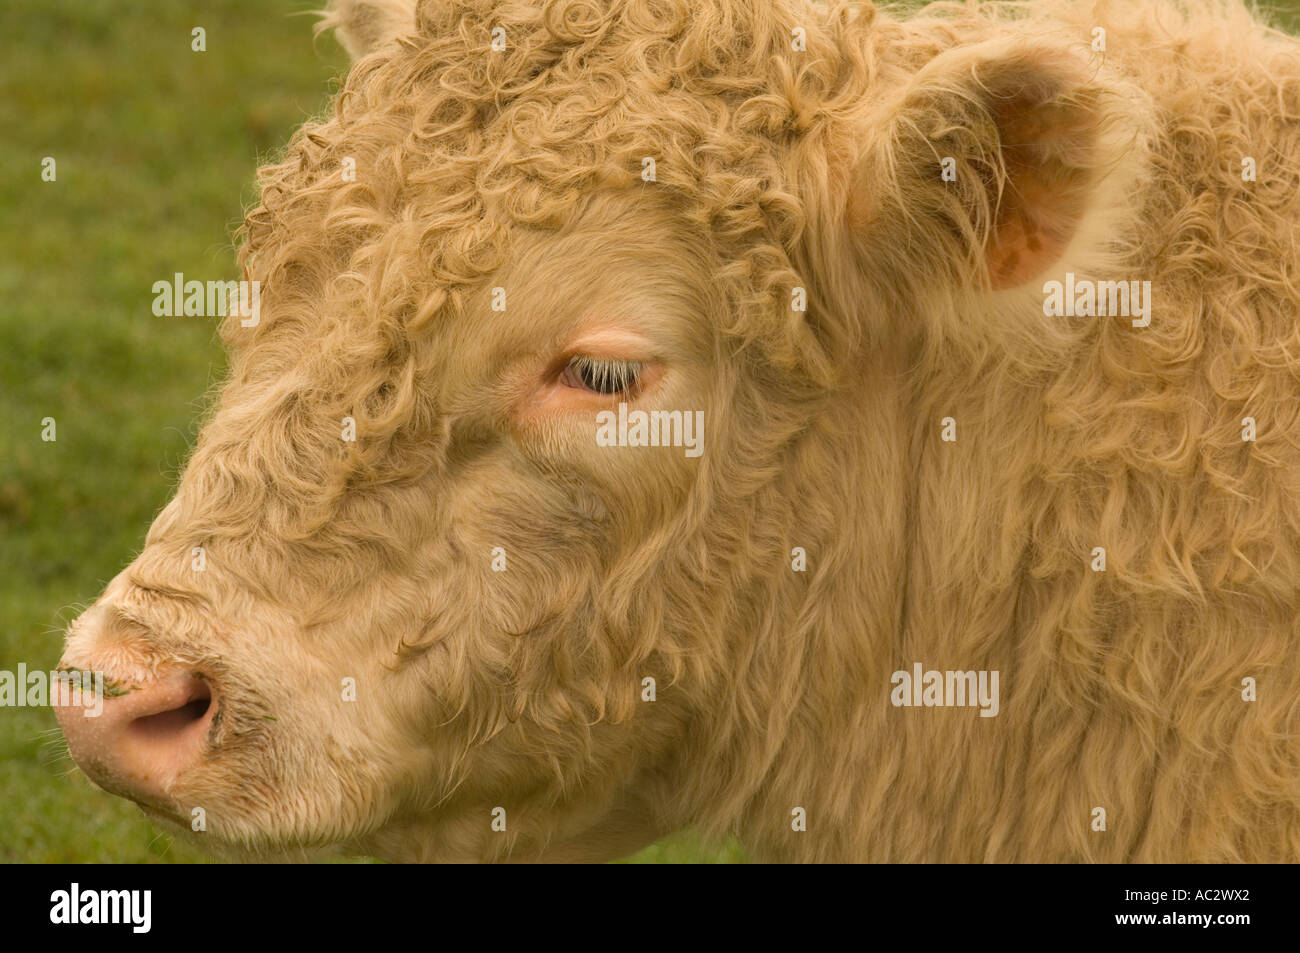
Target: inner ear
[
  {"x": 1048, "y": 145},
  {"x": 983, "y": 169}
]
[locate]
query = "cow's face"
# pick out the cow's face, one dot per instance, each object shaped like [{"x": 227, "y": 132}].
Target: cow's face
[
  {"x": 416, "y": 572},
  {"x": 470, "y": 540},
  {"x": 417, "y": 582}
]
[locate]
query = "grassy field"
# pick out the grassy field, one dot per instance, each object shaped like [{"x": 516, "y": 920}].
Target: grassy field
[{"x": 155, "y": 147}]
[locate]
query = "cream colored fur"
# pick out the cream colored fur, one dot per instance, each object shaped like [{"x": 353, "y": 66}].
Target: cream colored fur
[{"x": 775, "y": 169}]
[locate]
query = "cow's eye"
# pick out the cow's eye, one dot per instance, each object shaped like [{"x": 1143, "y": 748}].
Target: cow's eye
[{"x": 602, "y": 376}]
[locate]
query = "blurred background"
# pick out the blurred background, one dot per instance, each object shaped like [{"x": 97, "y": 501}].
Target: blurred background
[{"x": 156, "y": 148}]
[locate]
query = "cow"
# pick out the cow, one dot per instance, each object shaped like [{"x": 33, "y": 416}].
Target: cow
[{"x": 873, "y": 435}]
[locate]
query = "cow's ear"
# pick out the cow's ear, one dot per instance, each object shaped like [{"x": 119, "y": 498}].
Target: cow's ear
[
  {"x": 986, "y": 165},
  {"x": 362, "y": 26}
]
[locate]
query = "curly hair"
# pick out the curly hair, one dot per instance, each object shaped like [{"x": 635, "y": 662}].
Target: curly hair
[{"x": 808, "y": 167}]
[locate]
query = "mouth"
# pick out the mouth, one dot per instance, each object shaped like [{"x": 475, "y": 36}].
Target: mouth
[{"x": 158, "y": 814}]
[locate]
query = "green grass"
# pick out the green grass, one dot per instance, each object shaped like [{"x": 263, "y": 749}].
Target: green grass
[{"x": 156, "y": 147}]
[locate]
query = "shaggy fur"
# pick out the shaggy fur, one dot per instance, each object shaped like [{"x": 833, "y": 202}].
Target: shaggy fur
[{"x": 775, "y": 169}]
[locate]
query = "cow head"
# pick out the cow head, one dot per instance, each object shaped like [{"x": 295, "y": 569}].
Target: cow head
[{"x": 488, "y": 547}]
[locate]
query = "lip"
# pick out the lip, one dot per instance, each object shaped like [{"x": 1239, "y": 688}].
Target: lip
[
  {"x": 158, "y": 813},
  {"x": 156, "y": 808}
]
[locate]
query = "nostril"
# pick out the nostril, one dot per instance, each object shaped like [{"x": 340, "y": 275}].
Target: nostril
[
  {"x": 146, "y": 739},
  {"x": 165, "y": 724},
  {"x": 165, "y": 716}
]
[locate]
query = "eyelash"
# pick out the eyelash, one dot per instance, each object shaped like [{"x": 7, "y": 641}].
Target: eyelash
[{"x": 601, "y": 376}]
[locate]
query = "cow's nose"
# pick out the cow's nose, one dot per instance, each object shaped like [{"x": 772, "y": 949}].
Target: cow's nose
[{"x": 147, "y": 735}]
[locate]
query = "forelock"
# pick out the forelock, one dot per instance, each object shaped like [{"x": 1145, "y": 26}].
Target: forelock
[{"x": 455, "y": 143}]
